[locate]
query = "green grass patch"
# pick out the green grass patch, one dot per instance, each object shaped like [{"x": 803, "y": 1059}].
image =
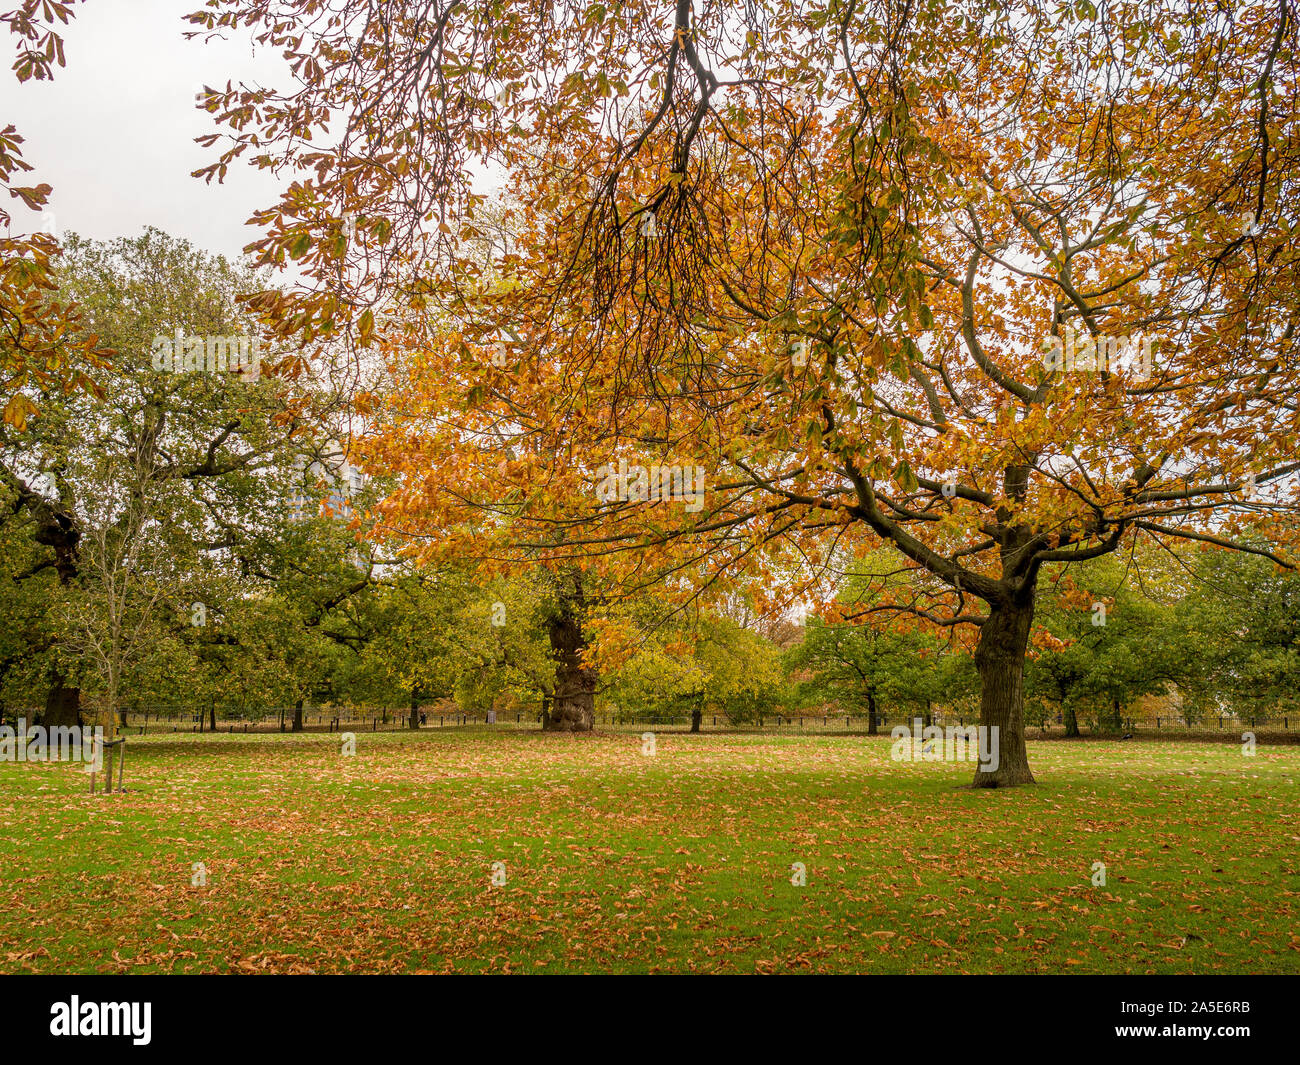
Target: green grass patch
[{"x": 617, "y": 862}]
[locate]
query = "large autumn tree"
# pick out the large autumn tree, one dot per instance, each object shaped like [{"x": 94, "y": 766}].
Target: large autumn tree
[{"x": 855, "y": 258}]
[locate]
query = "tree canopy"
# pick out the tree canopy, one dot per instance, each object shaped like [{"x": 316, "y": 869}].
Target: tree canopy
[{"x": 998, "y": 286}]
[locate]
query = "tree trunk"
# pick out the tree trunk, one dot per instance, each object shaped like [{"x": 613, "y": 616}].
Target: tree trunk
[
  {"x": 1113, "y": 721},
  {"x": 62, "y": 705},
  {"x": 1070, "y": 718},
  {"x": 573, "y": 705},
  {"x": 57, "y": 530},
  {"x": 697, "y": 716},
  {"x": 1000, "y": 660},
  {"x": 297, "y": 716},
  {"x": 212, "y": 711},
  {"x": 121, "y": 719},
  {"x": 873, "y": 719},
  {"x": 414, "y": 720}
]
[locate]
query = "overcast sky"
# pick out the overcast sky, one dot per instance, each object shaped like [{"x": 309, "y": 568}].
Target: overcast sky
[{"x": 114, "y": 132}]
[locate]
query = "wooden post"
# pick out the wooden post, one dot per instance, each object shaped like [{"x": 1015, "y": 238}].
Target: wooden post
[{"x": 107, "y": 764}]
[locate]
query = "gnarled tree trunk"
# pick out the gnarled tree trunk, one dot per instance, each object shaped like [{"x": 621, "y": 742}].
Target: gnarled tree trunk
[
  {"x": 58, "y": 530},
  {"x": 1000, "y": 659},
  {"x": 62, "y": 705},
  {"x": 573, "y": 703},
  {"x": 1070, "y": 718},
  {"x": 297, "y": 716},
  {"x": 414, "y": 720}
]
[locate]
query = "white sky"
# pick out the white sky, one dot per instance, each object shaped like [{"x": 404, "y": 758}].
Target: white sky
[{"x": 114, "y": 132}]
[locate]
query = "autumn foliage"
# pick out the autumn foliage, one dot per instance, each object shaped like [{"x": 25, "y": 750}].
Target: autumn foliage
[{"x": 831, "y": 252}]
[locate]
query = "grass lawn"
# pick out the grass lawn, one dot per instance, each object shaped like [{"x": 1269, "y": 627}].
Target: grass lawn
[{"x": 615, "y": 861}]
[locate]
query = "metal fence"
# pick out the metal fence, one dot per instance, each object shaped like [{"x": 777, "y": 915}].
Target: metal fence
[{"x": 189, "y": 719}]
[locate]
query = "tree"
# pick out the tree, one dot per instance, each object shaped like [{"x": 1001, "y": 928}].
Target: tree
[
  {"x": 1240, "y": 629},
  {"x": 43, "y": 344},
  {"x": 1104, "y": 645},
  {"x": 189, "y": 456},
  {"x": 997, "y": 287},
  {"x": 872, "y": 667},
  {"x": 419, "y": 636},
  {"x": 712, "y": 665},
  {"x": 112, "y": 623}
]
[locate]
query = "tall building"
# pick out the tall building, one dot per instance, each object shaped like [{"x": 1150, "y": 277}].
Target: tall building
[{"x": 331, "y": 474}]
